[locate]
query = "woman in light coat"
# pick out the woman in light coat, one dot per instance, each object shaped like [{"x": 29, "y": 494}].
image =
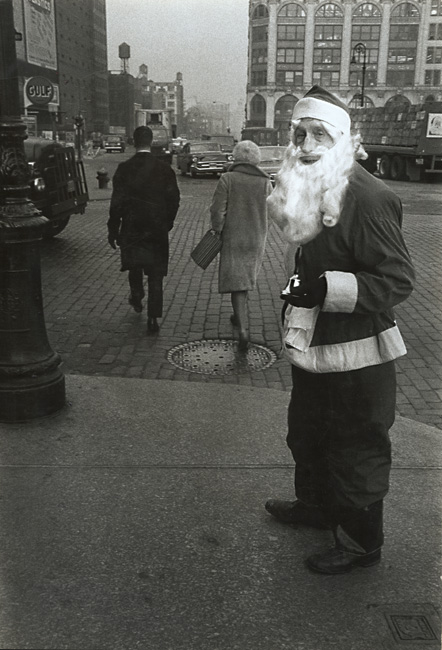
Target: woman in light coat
[{"x": 239, "y": 212}]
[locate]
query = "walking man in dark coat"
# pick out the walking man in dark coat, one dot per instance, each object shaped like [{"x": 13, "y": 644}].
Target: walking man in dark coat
[{"x": 143, "y": 208}]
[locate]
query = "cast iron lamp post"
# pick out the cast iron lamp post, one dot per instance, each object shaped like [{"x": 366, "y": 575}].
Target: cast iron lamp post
[
  {"x": 361, "y": 48},
  {"x": 31, "y": 381}
]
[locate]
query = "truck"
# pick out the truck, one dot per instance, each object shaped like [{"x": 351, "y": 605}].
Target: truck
[
  {"x": 260, "y": 135},
  {"x": 161, "y": 124},
  {"x": 57, "y": 183},
  {"x": 402, "y": 142}
]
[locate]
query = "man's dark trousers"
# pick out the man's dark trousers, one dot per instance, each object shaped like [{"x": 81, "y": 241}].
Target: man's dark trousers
[
  {"x": 154, "y": 289},
  {"x": 338, "y": 426}
]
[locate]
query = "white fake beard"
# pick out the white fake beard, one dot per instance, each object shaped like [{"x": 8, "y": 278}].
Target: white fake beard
[{"x": 307, "y": 197}]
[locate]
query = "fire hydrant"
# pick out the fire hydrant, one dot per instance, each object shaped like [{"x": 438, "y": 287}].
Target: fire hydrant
[{"x": 102, "y": 178}]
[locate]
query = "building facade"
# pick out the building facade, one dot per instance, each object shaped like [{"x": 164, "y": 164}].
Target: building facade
[
  {"x": 62, "y": 65},
  {"x": 162, "y": 95},
  {"x": 121, "y": 103},
  {"x": 367, "y": 53}
]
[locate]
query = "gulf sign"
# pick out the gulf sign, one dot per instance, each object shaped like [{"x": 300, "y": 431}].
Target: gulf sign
[{"x": 39, "y": 91}]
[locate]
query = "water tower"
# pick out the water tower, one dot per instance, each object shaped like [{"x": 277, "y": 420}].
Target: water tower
[{"x": 124, "y": 55}]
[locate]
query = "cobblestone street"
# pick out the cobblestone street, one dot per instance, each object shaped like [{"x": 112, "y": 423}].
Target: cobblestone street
[{"x": 90, "y": 323}]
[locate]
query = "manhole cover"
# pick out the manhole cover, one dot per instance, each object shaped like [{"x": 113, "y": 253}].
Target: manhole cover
[{"x": 218, "y": 357}]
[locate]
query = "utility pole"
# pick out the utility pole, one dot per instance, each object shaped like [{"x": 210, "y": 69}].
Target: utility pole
[{"x": 31, "y": 382}]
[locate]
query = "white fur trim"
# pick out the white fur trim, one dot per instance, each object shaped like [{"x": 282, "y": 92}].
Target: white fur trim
[
  {"x": 352, "y": 355},
  {"x": 321, "y": 110},
  {"x": 342, "y": 292}
]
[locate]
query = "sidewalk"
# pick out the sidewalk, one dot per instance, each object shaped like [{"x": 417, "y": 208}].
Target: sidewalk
[{"x": 134, "y": 519}]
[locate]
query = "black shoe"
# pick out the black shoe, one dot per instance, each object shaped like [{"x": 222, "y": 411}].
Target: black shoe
[
  {"x": 336, "y": 560},
  {"x": 296, "y": 512},
  {"x": 152, "y": 325},
  {"x": 135, "y": 302}
]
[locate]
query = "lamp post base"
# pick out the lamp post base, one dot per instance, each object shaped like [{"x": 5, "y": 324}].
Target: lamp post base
[{"x": 32, "y": 398}]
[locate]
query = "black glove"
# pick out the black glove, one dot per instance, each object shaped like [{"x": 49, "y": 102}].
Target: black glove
[{"x": 307, "y": 294}]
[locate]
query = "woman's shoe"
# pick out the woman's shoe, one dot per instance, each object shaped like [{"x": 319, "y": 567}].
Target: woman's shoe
[{"x": 243, "y": 343}]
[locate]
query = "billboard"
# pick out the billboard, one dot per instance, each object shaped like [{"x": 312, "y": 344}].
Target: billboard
[{"x": 41, "y": 46}]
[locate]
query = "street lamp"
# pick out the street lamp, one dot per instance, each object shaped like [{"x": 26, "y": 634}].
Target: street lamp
[
  {"x": 361, "y": 48},
  {"x": 31, "y": 382}
]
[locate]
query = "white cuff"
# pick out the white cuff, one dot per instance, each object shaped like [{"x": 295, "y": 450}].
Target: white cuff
[{"x": 342, "y": 292}]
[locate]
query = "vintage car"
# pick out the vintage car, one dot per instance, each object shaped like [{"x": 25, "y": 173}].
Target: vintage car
[
  {"x": 271, "y": 160},
  {"x": 202, "y": 158},
  {"x": 57, "y": 183},
  {"x": 114, "y": 143}
]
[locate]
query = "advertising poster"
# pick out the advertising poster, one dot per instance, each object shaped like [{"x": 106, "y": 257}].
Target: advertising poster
[
  {"x": 434, "y": 128},
  {"x": 41, "y": 48}
]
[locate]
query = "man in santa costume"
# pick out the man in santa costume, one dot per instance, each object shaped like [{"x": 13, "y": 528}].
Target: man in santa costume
[{"x": 351, "y": 267}]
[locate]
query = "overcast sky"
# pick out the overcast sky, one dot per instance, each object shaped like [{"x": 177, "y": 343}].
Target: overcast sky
[{"x": 206, "y": 40}]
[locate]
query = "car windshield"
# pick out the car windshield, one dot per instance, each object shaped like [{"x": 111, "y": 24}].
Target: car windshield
[
  {"x": 272, "y": 154},
  {"x": 205, "y": 146},
  {"x": 113, "y": 138}
]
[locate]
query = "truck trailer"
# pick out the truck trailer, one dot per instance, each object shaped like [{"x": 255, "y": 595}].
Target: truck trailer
[
  {"x": 160, "y": 123},
  {"x": 402, "y": 142}
]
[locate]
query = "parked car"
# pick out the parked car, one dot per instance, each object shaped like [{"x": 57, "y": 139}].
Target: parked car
[
  {"x": 202, "y": 158},
  {"x": 57, "y": 183},
  {"x": 271, "y": 160},
  {"x": 114, "y": 143}
]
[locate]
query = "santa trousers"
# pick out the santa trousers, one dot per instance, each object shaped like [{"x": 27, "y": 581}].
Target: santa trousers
[
  {"x": 154, "y": 289},
  {"x": 338, "y": 427}
]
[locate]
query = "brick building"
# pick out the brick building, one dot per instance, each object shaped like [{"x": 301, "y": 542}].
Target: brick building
[
  {"x": 63, "y": 56},
  {"x": 391, "y": 48}
]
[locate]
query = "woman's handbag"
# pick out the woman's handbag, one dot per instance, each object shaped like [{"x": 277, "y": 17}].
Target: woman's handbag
[{"x": 208, "y": 248}]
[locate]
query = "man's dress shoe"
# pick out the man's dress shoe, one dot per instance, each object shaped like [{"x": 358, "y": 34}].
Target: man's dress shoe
[{"x": 296, "y": 512}]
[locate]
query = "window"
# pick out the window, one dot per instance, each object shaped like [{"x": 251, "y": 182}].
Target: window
[
  {"x": 405, "y": 10},
  {"x": 292, "y": 10},
  {"x": 329, "y": 10},
  {"x": 259, "y": 55},
  {"x": 399, "y": 77},
  {"x": 289, "y": 78},
  {"x": 289, "y": 55},
  {"x": 326, "y": 79},
  {"x": 291, "y": 33},
  {"x": 404, "y": 33},
  {"x": 284, "y": 107},
  {"x": 432, "y": 77},
  {"x": 434, "y": 55},
  {"x": 328, "y": 33},
  {"x": 258, "y": 105},
  {"x": 367, "y": 10},
  {"x": 260, "y": 34},
  {"x": 436, "y": 8},
  {"x": 259, "y": 78},
  {"x": 402, "y": 55},
  {"x": 435, "y": 32},
  {"x": 356, "y": 78},
  {"x": 323, "y": 55},
  {"x": 369, "y": 36},
  {"x": 260, "y": 12}
]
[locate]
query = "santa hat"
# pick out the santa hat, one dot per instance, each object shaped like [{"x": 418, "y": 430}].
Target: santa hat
[{"x": 319, "y": 104}]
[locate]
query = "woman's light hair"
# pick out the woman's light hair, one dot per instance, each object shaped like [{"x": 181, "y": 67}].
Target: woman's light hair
[{"x": 247, "y": 151}]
